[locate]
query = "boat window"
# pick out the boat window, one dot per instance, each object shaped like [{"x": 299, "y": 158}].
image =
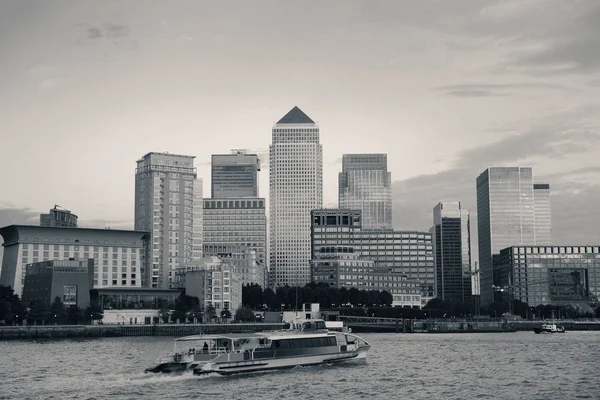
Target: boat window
[{"x": 285, "y": 344}]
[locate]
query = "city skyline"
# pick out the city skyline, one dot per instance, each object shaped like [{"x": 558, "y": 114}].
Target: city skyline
[{"x": 497, "y": 109}]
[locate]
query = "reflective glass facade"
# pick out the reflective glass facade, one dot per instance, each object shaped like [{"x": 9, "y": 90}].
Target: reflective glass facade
[
  {"x": 365, "y": 185},
  {"x": 550, "y": 274},
  {"x": 234, "y": 175},
  {"x": 451, "y": 239},
  {"x": 543, "y": 216},
  {"x": 505, "y": 217}
]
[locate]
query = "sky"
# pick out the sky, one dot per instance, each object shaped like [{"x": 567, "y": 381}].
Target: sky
[{"x": 445, "y": 88}]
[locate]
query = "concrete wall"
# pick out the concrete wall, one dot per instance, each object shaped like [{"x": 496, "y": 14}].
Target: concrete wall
[{"x": 130, "y": 317}]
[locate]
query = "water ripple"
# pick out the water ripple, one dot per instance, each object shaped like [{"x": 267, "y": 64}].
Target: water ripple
[{"x": 416, "y": 366}]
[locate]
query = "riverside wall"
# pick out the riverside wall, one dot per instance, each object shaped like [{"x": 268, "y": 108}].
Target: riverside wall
[{"x": 94, "y": 331}]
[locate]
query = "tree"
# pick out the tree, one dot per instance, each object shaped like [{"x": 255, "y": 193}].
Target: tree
[
  {"x": 385, "y": 298},
  {"x": 269, "y": 298},
  {"x": 57, "y": 311},
  {"x": 244, "y": 314},
  {"x": 598, "y": 312},
  {"x": 74, "y": 315},
  {"x": 210, "y": 313},
  {"x": 225, "y": 314},
  {"x": 38, "y": 311},
  {"x": 354, "y": 296}
]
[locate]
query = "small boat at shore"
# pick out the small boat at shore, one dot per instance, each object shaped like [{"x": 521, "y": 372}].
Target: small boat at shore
[
  {"x": 307, "y": 342},
  {"x": 549, "y": 328}
]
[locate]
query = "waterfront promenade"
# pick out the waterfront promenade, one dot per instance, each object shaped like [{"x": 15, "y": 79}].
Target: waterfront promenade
[{"x": 357, "y": 324}]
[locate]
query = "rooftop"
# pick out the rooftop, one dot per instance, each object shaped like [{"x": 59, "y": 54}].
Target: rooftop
[{"x": 295, "y": 116}]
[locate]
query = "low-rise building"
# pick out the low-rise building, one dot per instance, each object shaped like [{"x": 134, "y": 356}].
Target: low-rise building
[
  {"x": 213, "y": 282},
  {"x": 119, "y": 255},
  {"x": 69, "y": 280},
  {"x": 351, "y": 270},
  {"x": 245, "y": 259},
  {"x": 548, "y": 274}
]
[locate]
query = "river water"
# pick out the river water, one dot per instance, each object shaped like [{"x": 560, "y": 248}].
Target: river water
[{"x": 518, "y": 365}]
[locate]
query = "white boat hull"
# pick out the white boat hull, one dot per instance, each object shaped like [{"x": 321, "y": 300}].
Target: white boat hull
[{"x": 228, "y": 368}]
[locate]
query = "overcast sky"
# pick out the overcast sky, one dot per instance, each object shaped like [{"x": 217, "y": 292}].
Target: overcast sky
[{"x": 446, "y": 88}]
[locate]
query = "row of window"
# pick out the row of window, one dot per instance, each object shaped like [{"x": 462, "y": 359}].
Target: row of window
[{"x": 303, "y": 343}]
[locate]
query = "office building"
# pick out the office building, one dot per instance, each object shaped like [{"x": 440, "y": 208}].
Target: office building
[
  {"x": 214, "y": 282},
  {"x": 506, "y": 217},
  {"x": 119, "y": 255},
  {"x": 350, "y": 270},
  {"x": 237, "y": 222},
  {"x": 245, "y": 260},
  {"x": 168, "y": 204},
  {"x": 408, "y": 252},
  {"x": 59, "y": 216},
  {"x": 556, "y": 275},
  {"x": 365, "y": 185},
  {"x": 69, "y": 280},
  {"x": 296, "y": 188},
  {"x": 234, "y": 175},
  {"x": 542, "y": 213},
  {"x": 452, "y": 248}
]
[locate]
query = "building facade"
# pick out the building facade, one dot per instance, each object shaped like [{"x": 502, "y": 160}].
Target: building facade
[
  {"x": 366, "y": 185},
  {"x": 407, "y": 252},
  {"x": 550, "y": 274},
  {"x": 69, "y": 280},
  {"x": 168, "y": 204},
  {"x": 237, "y": 222},
  {"x": 213, "y": 282},
  {"x": 59, "y": 216},
  {"x": 234, "y": 175},
  {"x": 119, "y": 255},
  {"x": 452, "y": 248},
  {"x": 350, "y": 270},
  {"x": 506, "y": 217},
  {"x": 245, "y": 260},
  {"x": 296, "y": 188},
  {"x": 542, "y": 214}
]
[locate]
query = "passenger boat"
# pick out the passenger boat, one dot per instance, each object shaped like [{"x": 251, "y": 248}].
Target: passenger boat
[
  {"x": 549, "y": 328},
  {"x": 307, "y": 342}
]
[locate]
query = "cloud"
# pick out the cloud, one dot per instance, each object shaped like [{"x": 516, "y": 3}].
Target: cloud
[
  {"x": 10, "y": 215},
  {"x": 492, "y": 90},
  {"x": 49, "y": 83},
  {"x": 116, "y": 30},
  {"x": 574, "y": 191},
  {"x": 94, "y": 33}
]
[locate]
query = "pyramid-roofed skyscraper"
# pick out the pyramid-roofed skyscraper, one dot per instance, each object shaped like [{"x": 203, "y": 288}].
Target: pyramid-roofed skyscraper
[{"x": 296, "y": 188}]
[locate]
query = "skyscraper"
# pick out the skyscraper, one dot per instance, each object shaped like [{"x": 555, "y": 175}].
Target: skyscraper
[
  {"x": 234, "y": 175},
  {"x": 506, "y": 216},
  {"x": 543, "y": 223},
  {"x": 365, "y": 185},
  {"x": 168, "y": 204},
  {"x": 452, "y": 248},
  {"x": 296, "y": 188}
]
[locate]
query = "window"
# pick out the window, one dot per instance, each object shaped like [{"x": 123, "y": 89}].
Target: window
[{"x": 70, "y": 295}]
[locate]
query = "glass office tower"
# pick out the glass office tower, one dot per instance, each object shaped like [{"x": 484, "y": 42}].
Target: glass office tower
[
  {"x": 508, "y": 214},
  {"x": 452, "y": 248},
  {"x": 234, "y": 175},
  {"x": 365, "y": 185}
]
